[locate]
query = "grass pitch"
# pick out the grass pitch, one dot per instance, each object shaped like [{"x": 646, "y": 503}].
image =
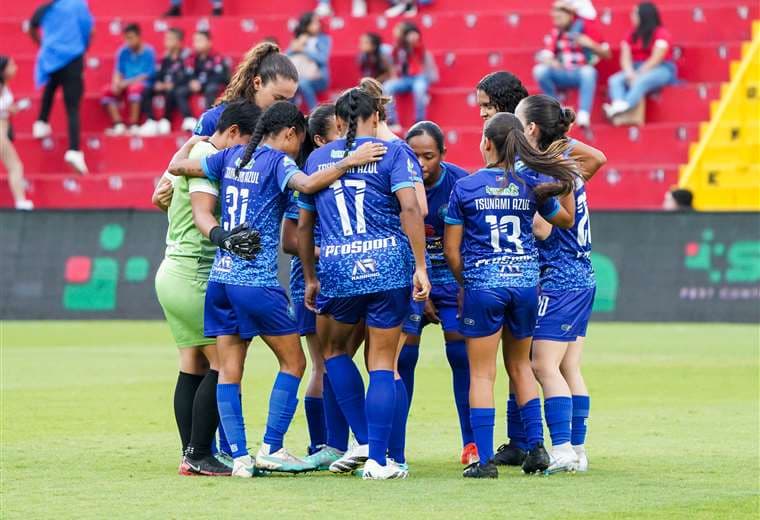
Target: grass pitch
[{"x": 88, "y": 432}]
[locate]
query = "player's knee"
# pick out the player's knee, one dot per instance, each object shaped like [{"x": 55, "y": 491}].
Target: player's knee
[{"x": 294, "y": 363}]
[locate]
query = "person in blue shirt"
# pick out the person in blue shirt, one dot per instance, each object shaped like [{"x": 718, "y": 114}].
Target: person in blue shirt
[
  {"x": 371, "y": 231},
  {"x": 310, "y": 51},
  {"x": 244, "y": 298},
  {"x": 567, "y": 288},
  {"x": 132, "y": 78},
  {"x": 489, "y": 246},
  {"x": 62, "y": 29},
  {"x": 427, "y": 141},
  {"x": 264, "y": 76}
]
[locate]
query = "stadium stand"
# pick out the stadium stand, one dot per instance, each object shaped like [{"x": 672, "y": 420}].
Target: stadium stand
[{"x": 468, "y": 40}]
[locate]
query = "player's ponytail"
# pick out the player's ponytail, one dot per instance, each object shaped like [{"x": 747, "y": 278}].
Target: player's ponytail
[
  {"x": 375, "y": 89},
  {"x": 506, "y": 133},
  {"x": 352, "y": 106},
  {"x": 553, "y": 121},
  {"x": 317, "y": 125},
  {"x": 263, "y": 60}
]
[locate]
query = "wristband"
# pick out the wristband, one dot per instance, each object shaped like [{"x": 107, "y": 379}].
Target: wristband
[{"x": 217, "y": 236}]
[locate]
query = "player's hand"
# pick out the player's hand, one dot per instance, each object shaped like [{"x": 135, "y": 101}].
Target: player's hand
[
  {"x": 367, "y": 153},
  {"x": 243, "y": 241},
  {"x": 421, "y": 285},
  {"x": 431, "y": 313},
  {"x": 164, "y": 192},
  {"x": 310, "y": 295}
]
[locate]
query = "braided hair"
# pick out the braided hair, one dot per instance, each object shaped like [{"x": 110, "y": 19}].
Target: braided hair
[
  {"x": 506, "y": 132},
  {"x": 504, "y": 89},
  {"x": 278, "y": 117},
  {"x": 550, "y": 117},
  {"x": 353, "y": 105},
  {"x": 263, "y": 60}
]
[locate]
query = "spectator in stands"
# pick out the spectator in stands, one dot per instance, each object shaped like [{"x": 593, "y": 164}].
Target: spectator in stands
[
  {"x": 217, "y": 8},
  {"x": 499, "y": 91},
  {"x": 358, "y": 8},
  {"x": 646, "y": 61},
  {"x": 678, "y": 199},
  {"x": 133, "y": 79},
  {"x": 170, "y": 79},
  {"x": 413, "y": 70},
  {"x": 374, "y": 62},
  {"x": 63, "y": 30},
  {"x": 8, "y": 155},
  {"x": 569, "y": 58},
  {"x": 208, "y": 71},
  {"x": 310, "y": 52}
]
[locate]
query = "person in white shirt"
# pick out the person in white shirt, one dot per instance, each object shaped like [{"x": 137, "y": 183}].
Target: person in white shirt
[{"x": 8, "y": 155}]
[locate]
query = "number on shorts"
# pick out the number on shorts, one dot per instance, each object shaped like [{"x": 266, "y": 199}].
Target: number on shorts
[
  {"x": 340, "y": 201},
  {"x": 543, "y": 303},
  {"x": 235, "y": 197},
  {"x": 508, "y": 225}
]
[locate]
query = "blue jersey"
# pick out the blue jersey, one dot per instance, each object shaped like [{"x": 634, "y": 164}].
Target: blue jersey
[
  {"x": 297, "y": 282},
  {"x": 497, "y": 212},
  {"x": 209, "y": 120},
  {"x": 256, "y": 195},
  {"x": 363, "y": 249},
  {"x": 565, "y": 255},
  {"x": 438, "y": 202}
]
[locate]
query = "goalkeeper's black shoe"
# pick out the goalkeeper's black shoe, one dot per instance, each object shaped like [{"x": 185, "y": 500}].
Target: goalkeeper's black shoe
[
  {"x": 208, "y": 466},
  {"x": 537, "y": 460},
  {"x": 509, "y": 455},
  {"x": 475, "y": 470}
]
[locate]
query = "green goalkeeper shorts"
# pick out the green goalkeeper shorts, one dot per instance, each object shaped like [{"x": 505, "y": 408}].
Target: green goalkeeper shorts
[{"x": 181, "y": 290}]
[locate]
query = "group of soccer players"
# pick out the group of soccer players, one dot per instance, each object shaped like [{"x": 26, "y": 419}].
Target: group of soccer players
[{"x": 387, "y": 237}]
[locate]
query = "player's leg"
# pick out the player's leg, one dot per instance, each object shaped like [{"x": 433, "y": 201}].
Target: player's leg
[
  {"x": 313, "y": 399},
  {"x": 409, "y": 345},
  {"x": 571, "y": 370},
  {"x": 192, "y": 369}
]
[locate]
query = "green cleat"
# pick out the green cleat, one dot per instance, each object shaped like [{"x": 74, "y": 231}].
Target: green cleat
[
  {"x": 322, "y": 459},
  {"x": 281, "y": 461}
]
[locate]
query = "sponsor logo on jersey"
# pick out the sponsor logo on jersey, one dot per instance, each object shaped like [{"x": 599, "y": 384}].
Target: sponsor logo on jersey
[
  {"x": 224, "y": 264},
  {"x": 415, "y": 317},
  {"x": 509, "y": 191},
  {"x": 359, "y": 246},
  {"x": 364, "y": 269},
  {"x": 566, "y": 327},
  {"x": 469, "y": 321}
]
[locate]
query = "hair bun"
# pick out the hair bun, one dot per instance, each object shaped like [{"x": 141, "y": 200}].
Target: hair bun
[{"x": 567, "y": 116}]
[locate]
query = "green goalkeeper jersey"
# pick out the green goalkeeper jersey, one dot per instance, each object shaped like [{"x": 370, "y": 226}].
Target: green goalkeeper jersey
[{"x": 184, "y": 242}]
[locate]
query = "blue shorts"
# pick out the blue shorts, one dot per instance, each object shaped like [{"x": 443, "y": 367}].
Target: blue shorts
[
  {"x": 444, "y": 297},
  {"x": 306, "y": 320},
  {"x": 486, "y": 311},
  {"x": 564, "y": 315},
  {"x": 246, "y": 311},
  {"x": 381, "y": 310}
]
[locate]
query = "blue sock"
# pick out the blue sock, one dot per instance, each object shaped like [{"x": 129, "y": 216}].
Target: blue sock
[
  {"x": 532, "y": 423},
  {"x": 224, "y": 445},
  {"x": 231, "y": 416},
  {"x": 558, "y": 412},
  {"x": 397, "y": 440},
  {"x": 581, "y": 407},
  {"x": 348, "y": 386},
  {"x": 335, "y": 421},
  {"x": 407, "y": 362},
  {"x": 381, "y": 404},
  {"x": 283, "y": 402},
  {"x": 482, "y": 421},
  {"x": 456, "y": 353},
  {"x": 515, "y": 429},
  {"x": 315, "y": 421}
]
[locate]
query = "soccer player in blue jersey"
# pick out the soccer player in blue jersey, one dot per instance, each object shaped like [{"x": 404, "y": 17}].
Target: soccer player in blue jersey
[
  {"x": 567, "y": 291},
  {"x": 368, "y": 220},
  {"x": 263, "y": 77},
  {"x": 489, "y": 246},
  {"x": 244, "y": 298},
  {"x": 427, "y": 141}
]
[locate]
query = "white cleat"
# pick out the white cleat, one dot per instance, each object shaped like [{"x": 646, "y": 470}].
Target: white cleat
[
  {"x": 353, "y": 459},
  {"x": 188, "y": 124},
  {"x": 391, "y": 471},
  {"x": 75, "y": 159},
  {"x": 243, "y": 467},
  {"x": 281, "y": 461},
  {"x": 582, "y": 465},
  {"x": 562, "y": 458},
  {"x": 41, "y": 130}
]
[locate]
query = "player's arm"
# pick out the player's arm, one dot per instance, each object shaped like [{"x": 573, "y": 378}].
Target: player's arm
[
  {"x": 419, "y": 192},
  {"x": 182, "y": 165},
  {"x": 452, "y": 250},
  {"x": 588, "y": 158},
  {"x": 162, "y": 194},
  {"x": 541, "y": 228},
  {"x": 305, "y": 243},
  {"x": 309, "y": 184},
  {"x": 204, "y": 208},
  {"x": 290, "y": 236},
  {"x": 414, "y": 228},
  {"x": 560, "y": 212}
]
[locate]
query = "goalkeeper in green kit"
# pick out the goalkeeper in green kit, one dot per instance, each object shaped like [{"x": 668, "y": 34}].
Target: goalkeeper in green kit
[{"x": 192, "y": 209}]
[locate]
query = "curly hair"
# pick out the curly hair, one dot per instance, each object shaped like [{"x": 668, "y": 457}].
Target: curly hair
[{"x": 504, "y": 89}]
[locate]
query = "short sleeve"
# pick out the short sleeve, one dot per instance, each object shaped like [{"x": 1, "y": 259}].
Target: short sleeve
[
  {"x": 454, "y": 213},
  {"x": 416, "y": 164},
  {"x": 549, "y": 208},
  {"x": 306, "y": 201},
  {"x": 291, "y": 210},
  {"x": 403, "y": 174},
  {"x": 213, "y": 165},
  {"x": 286, "y": 168},
  {"x": 198, "y": 185}
]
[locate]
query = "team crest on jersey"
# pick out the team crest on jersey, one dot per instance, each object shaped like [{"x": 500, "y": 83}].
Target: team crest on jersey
[
  {"x": 409, "y": 165},
  {"x": 510, "y": 191},
  {"x": 443, "y": 210},
  {"x": 364, "y": 269}
]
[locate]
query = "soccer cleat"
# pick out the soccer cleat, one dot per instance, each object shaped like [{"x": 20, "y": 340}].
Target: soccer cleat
[
  {"x": 470, "y": 454},
  {"x": 509, "y": 455},
  {"x": 208, "y": 466},
  {"x": 184, "y": 469},
  {"x": 582, "y": 465},
  {"x": 243, "y": 467},
  {"x": 391, "y": 471},
  {"x": 537, "y": 460},
  {"x": 322, "y": 459},
  {"x": 41, "y": 130},
  {"x": 562, "y": 458},
  {"x": 75, "y": 159},
  {"x": 225, "y": 458},
  {"x": 353, "y": 459},
  {"x": 281, "y": 461},
  {"x": 475, "y": 470},
  {"x": 188, "y": 124}
]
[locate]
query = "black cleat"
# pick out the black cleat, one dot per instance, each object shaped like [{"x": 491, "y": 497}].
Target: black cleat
[
  {"x": 537, "y": 460},
  {"x": 208, "y": 466},
  {"x": 509, "y": 455},
  {"x": 174, "y": 10},
  {"x": 475, "y": 470}
]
